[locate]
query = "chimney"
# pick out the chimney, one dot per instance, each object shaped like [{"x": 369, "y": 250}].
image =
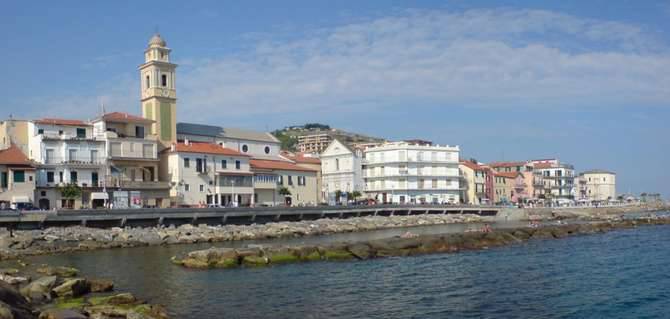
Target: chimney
[
  {"x": 187, "y": 142},
  {"x": 173, "y": 147}
]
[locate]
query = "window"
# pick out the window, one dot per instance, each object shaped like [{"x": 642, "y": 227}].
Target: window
[
  {"x": 60, "y": 177},
  {"x": 237, "y": 164},
  {"x": 434, "y": 183},
  {"x": 198, "y": 165},
  {"x": 187, "y": 187},
  {"x": 60, "y": 132},
  {"x": 148, "y": 82},
  {"x": 202, "y": 188},
  {"x": 40, "y": 131},
  {"x": 139, "y": 131},
  {"x": 94, "y": 179},
  {"x": 73, "y": 177},
  {"x": 267, "y": 150},
  {"x": 163, "y": 80},
  {"x": 187, "y": 162},
  {"x": 81, "y": 133},
  {"x": 245, "y": 148},
  {"x": 290, "y": 180},
  {"x": 50, "y": 177},
  {"x": 280, "y": 180},
  {"x": 337, "y": 164},
  {"x": 224, "y": 164},
  {"x": 94, "y": 156},
  {"x": 19, "y": 176}
]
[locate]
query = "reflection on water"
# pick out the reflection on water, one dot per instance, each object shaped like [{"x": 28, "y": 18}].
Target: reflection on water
[{"x": 617, "y": 274}]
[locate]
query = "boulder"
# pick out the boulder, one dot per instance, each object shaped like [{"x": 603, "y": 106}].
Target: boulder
[
  {"x": 72, "y": 288},
  {"x": 101, "y": 285},
  {"x": 60, "y": 271},
  {"x": 12, "y": 304},
  {"x": 120, "y": 299},
  {"x": 306, "y": 253},
  {"x": 39, "y": 289},
  {"x": 61, "y": 314},
  {"x": 13, "y": 280},
  {"x": 281, "y": 256},
  {"x": 360, "y": 251},
  {"x": 255, "y": 261}
]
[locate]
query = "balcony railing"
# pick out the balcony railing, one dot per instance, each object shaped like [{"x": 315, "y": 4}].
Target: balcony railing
[
  {"x": 115, "y": 182},
  {"x": 77, "y": 160}
]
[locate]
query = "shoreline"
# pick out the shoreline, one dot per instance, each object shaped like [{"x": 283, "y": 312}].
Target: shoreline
[
  {"x": 406, "y": 245},
  {"x": 58, "y": 240}
]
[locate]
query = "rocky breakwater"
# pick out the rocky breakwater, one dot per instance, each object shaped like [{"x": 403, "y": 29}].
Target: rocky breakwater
[
  {"x": 400, "y": 246},
  {"x": 61, "y": 293},
  {"x": 67, "y": 239}
]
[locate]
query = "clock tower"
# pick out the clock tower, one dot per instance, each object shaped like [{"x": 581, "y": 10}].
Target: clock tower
[{"x": 158, "y": 90}]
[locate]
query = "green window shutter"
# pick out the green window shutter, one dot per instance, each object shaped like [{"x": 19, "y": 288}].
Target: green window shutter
[
  {"x": 19, "y": 176},
  {"x": 3, "y": 182}
]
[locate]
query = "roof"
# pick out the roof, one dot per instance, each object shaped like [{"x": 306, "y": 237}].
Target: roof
[
  {"x": 507, "y": 174},
  {"x": 300, "y": 158},
  {"x": 14, "y": 156},
  {"x": 543, "y": 165},
  {"x": 124, "y": 118},
  {"x": 206, "y": 148},
  {"x": 507, "y": 164},
  {"x": 278, "y": 165},
  {"x": 157, "y": 40},
  {"x": 472, "y": 165},
  {"x": 228, "y": 132},
  {"x": 242, "y": 134},
  {"x": 64, "y": 122},
  {"x": 199, "y": 129},
  {"x": 597, "y": 171}
]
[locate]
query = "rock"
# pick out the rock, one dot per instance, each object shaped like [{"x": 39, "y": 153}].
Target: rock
[
  {"x": 281, "y": 256},
  {"x": 39, "y": 289},
  {"x": 255, "y": 261},
  {"x": 72, "y": 288},
  {"x": 360, "y": 251},
  {"x": 61, "y": 314},
  {"x": 13, "y": 280},
  {"x": 12, "y": 304},
  {"x": 101, "y": 285},
  {"x": 120, "y": 299},
  {"x": 335, "y": 253},
  {"x": 9, "y": 271},
  {"x": 61, "y": 271}
]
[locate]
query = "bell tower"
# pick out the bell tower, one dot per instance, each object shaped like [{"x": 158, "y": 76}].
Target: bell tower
[{"x": 159, "y": 91}]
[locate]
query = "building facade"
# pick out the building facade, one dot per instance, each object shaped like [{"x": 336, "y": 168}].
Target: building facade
[
  {"x": 476, "y": 181},
  {"x": 17, "y": 179},
  {"x": 308, "y": 160},
  {"x": 313, "y": 143},
  {"x": 597, "y": 185},
  {"x": 404, "y": 172},
  {"x": 207, "y": 174},
  {"x": 558, "y": 179},
  {"x": 341, "y": 170}
]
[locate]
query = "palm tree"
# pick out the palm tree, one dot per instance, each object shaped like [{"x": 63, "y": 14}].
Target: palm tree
[{"x": 284, "y": 191}]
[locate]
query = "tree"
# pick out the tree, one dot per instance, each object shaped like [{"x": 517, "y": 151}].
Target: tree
[
  {"x": 70, "y": 192},
  {"x": 355, "y": 194},
  {"x": 338, "y": 195},
  {"x": 286, "y": 193}
]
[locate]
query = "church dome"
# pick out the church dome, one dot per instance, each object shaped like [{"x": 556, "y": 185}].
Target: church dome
[{"x": 156, "y": 40}]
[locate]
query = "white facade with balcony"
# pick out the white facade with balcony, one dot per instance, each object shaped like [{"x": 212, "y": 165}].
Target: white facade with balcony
[
  {"x": 409, "y": 173},
  {"x": 341, "y": 170}
]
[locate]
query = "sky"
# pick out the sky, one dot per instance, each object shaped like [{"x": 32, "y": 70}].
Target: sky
[{"x": 587, "y": 82}]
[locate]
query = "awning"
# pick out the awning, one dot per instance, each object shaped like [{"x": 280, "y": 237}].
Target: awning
[
  {"x": 100, "y": 195},
  {"x": 20, "y": 199}
]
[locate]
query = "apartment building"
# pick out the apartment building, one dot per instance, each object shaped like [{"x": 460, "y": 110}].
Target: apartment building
[
  {"x": 313, "y": 143},
  {"x": 308, "y": 160},
  {"x": 403, "y": 172},
  {"x": 67, "y": 153},
  {"x": 558, "y": 179},
  {"x": 17, "y": 179},
  {"x": 476, "y": 183},
  {"x": 207, "y": 174}
]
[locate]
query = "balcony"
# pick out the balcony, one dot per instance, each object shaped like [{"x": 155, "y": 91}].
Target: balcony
[
  {"x": 133, "y": 149},
  {"x": 76, "y": 161}
]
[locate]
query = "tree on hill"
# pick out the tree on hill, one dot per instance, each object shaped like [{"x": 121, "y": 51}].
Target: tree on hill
[{"x": 287, "y": 142}]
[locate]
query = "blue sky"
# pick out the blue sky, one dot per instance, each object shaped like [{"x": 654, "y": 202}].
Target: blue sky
[{"x": 585, "y": 81}]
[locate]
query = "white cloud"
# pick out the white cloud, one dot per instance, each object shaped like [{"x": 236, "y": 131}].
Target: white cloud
[{"x": 476, "y": 58}]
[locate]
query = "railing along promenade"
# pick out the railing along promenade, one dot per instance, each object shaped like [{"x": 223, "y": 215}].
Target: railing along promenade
[{"x": 150, "y": 217}]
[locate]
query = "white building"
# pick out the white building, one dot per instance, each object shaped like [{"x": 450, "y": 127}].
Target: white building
[
  {"x": 207, "y": 173},
  {"x": 558, "y": 179},
  {"x": 597, "y": 185},
  {"x": 341, "y": 170},
  {"x": 67, "y": 152},
  {"x": 405, "y": 172}
]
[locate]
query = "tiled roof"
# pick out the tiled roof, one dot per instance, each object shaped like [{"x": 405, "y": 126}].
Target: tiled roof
[
  {"x": 14, "y": 156},
  {"x": 543, "y": 165},
  {"x": 278, "y": 165},
  {"x": 472, "y": 165},
  {"x": 300, "y": 158},
  {"x": 507, "y": 164},
  {"x": 124, "y": 117},
  {"x": 65, "y": 122},
  {"x": 206, "y": 148}
]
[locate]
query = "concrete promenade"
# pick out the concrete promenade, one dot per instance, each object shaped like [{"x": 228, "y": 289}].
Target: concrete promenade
[{"x": 222, "y": 216}]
